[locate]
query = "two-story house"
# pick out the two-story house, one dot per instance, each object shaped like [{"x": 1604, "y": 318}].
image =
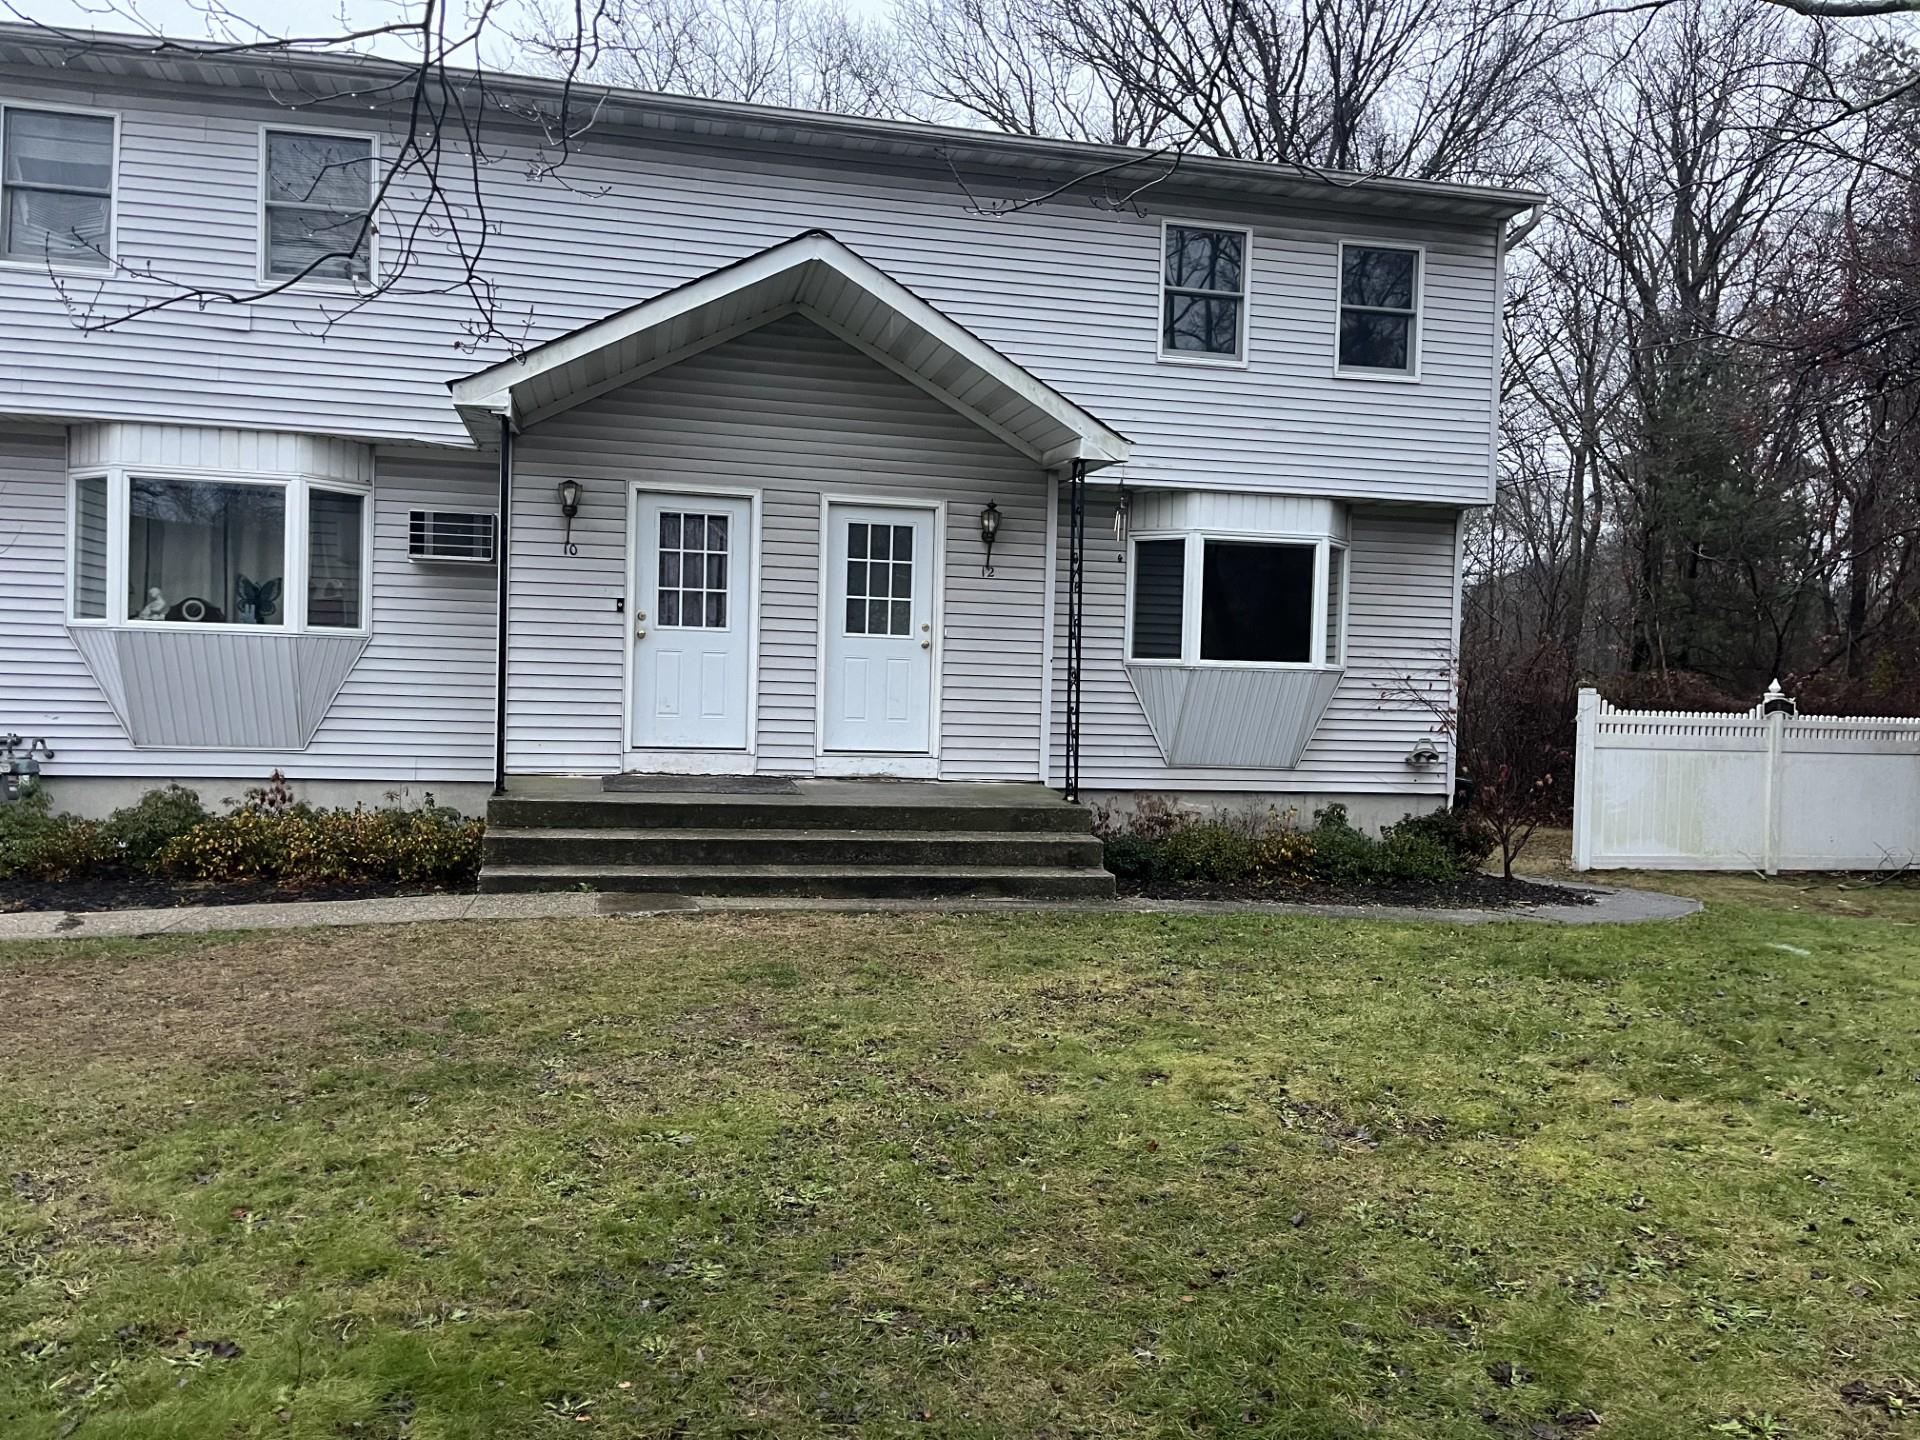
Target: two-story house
[{"x": 821, "y": 456}]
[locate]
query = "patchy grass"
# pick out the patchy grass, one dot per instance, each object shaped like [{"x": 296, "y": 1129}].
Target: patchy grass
[{"x": 968, "y": 1176}]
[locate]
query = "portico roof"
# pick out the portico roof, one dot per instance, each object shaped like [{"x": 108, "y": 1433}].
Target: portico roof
[{"x": 815, "y": 276}]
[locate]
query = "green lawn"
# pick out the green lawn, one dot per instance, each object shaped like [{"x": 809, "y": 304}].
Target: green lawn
[{"x": 1036, "y": 1176}]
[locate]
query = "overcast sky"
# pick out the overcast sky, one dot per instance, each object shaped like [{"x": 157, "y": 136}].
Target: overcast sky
[{"x": 189, "y": 19}]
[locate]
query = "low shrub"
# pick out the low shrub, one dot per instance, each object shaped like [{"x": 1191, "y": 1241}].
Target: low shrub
[
  {"x": 1161, "y": 846},
  {"x": 1468, "y": 838},
  {"x": 298, "y": 845},
  {"x": 1210, "y": 851},
  {"x": 144, "y": 828},
  {"x": 36, "y": 844}
]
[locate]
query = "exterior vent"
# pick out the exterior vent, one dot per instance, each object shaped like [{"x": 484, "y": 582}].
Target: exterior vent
[{"x": 459, "y": 535}]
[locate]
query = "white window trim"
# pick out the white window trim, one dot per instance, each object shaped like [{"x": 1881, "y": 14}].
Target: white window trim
[
  {"x": 297, "y": 487},
  {"x": 1191, "y": 599},
  {"x": 348, "y": 286},
  {"x": 1408, "y": 376},
  {"x": 1193, "y": 357},
  {"x": 93, "y": 272}
]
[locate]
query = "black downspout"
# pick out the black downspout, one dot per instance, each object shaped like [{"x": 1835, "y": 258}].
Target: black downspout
[
  {"x": 500, "y": 621},
  {"x": 1076, "y": 589}
]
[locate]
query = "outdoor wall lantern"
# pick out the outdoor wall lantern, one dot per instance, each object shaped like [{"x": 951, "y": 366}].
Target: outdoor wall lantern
[
  {"x": 989, "y": 528},
  {"x": 569, "y": 493}
]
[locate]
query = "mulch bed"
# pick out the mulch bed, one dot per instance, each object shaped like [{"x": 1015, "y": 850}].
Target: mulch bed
[
  {"x": 127, "y": 890},
  {"x": 1471, "y": 892}
]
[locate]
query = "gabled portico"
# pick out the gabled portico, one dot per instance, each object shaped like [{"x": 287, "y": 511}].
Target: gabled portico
[{"x": 781, "y": 469}]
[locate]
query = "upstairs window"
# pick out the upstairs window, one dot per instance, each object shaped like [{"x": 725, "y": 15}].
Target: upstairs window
[
  {"x": 1233, "y": 601},
  {"x": 1203, "y": 310},
  {"x": 56, "y": 187},
  {"x": 1379, "y": 310},
  {"x": 318, "y": 199}
]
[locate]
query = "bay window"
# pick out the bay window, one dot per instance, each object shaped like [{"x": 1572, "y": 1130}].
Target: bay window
[
  {"x": 169, "y": 549},
  {"x": 1237, "y": 600}
]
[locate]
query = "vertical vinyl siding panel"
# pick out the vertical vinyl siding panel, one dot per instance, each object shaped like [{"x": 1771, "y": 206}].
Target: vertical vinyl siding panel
[
  {"x": 1400, "y": 629},
  {"x": 417, "y": 706},
  {"x": 1067, "y": 290},
  {"x": 795, "y": 414}
]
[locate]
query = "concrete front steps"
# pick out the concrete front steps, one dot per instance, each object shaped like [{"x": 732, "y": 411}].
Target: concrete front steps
[{"x": 880, "y": 840}]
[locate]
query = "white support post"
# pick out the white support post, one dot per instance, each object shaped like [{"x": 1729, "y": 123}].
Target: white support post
[
  {"x": 1585, "y": 776},
  {"x": 1774, "y": 705}
]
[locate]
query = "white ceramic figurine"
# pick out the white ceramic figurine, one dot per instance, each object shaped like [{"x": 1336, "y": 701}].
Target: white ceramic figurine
[{"x": 156, "y": 606}]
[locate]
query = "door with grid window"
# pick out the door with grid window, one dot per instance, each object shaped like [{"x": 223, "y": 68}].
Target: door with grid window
[
  {"x": 690, "y": 622},
  {"x": 878, "y": 696}
]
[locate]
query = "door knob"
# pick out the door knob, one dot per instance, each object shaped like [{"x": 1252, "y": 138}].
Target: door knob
[
  {"x": 926, "y": 638},
  {"x": 639, "y": 624}
]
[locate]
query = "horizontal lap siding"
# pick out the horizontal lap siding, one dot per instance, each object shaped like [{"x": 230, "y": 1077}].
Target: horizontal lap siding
[
  {"x": 1067, "y": 289},
  {"x": 417, "y": 706},
  {"x": 794, "y": 414},
  {"x": 1400, "y": 631}
]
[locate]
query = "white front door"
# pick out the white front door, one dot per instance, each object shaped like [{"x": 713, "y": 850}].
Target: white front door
[
  {"x": 880, "y": 622},
  {"x": 691, "y": 622}
]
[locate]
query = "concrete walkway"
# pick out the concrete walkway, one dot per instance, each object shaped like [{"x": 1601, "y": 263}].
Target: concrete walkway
[{"x": 1615, "y": 907}]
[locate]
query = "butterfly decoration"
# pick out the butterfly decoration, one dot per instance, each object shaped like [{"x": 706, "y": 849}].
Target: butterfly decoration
[{"x": 255, "y": 604}]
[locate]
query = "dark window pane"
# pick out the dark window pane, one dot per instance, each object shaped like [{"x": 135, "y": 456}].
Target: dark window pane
[
  {"x": 1377, "y": 277},
  {"x": 669, "y": 607},
  {"x": 328, "y": 244},
  {"x": 1202, "y": 325},
  {"x": 1204, "y": 259},
  {"x": 717, "y": 532},
  {"x": 857, "y": 541},
  {"x": 206, "y": 552},
  {"x": 1372, "y": 341},
  {"x": 1159, "y": 583},
  {"x": 334, "y": 527},
  {"x": 857, "y": 578},
  {"x": 693, "y": 533},
  {"x": 716, "y": 570},
  {"x": 877, "y": 617},
  {"x": 902, "y": 620},
  {"x": 856, "y": 616},
  {"x": 670, "y": 530},
  {"x": 902, "y": 582},
  {"x": 881, "y": 535},
  {"x": 903, "y": 542},
  {"x": 670, "y": 567},
  {"x": 1256, "y": 602},
  {"x": 716, "y": 610}
]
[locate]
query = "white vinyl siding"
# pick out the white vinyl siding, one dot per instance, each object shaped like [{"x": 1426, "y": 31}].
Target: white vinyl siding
[
  {"x": 796, "y": 414},
  {"x": 1069, "y": 291},
  {"x": 418, "y": 706}
]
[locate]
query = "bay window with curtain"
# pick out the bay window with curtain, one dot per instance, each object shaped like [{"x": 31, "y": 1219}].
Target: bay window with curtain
[
  {"x": 273, "y": 553},
  {"x": 56, "y": 187}
]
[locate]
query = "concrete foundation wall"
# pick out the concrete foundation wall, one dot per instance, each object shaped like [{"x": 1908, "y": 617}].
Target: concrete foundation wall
[{"x": 97, "y": 796}]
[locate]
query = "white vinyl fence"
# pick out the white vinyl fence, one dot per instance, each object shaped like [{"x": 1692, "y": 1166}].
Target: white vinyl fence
[{"x": 1768, "y": 790}]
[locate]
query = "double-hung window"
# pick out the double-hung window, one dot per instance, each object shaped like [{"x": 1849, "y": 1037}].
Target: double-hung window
[
  {"x": 155, "y": 548},
  {"x": 56, "y": 187},
  {"x": 1238, "y": 600},
  {"x": 1379, "y": 310},
  {"x": 318, "y": 206},
  {"x": 1203, "y": 302}
]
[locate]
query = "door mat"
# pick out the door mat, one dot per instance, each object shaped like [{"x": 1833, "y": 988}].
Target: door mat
[{"x": 702, "y": 784}]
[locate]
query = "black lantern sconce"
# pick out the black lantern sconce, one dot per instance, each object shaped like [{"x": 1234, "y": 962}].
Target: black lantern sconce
[
  {"x": 569, "y": 493},
  {"x": 989, "y": 529}
]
